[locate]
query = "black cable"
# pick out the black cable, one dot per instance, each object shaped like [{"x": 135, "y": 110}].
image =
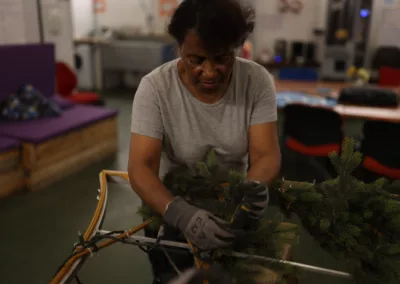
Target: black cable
[
  {"x": 92, "y": 245},
  {"x": 78, "y": 281},
  {"x": 82, "y": 245}
]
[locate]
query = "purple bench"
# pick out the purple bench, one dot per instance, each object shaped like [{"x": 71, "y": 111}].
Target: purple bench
[
  {"x": 27, "y": 64},
  {"x": 38, "y": 131},
  {"x": 62, "y": 102},
  {"x": 52, "y": 147}
]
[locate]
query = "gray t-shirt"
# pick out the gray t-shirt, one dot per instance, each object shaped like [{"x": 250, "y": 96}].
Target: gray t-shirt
[{"x": 163, "y": 108}]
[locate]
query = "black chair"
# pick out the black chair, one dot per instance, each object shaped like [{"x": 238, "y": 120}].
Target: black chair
[
  {"x": 310, "y": 135},
  {"x": 381, "y": 151}
]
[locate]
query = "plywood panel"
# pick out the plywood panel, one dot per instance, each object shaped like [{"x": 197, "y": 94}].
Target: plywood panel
[
  {"x": 9, "y": 160},
  {"x": 59, "y": 148},
  {"x": 11, "y": 181},
  {"x": 42, "y": 177}
]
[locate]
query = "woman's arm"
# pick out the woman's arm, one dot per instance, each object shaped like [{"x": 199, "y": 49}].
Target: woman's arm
[
  {"x": 143, "y": 168},
  {"x": 265, "y": 156}
]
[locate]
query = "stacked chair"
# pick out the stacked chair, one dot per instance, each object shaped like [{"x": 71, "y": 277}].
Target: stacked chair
[
  {"x": 381, "y": 151},
  {"x": 310, "y": 135}
]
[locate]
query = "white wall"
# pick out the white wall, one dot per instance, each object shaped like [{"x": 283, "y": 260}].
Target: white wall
[
  {"x": 31, "y": 21},
  {"x": 272, "y": 25},
  {"x": 23, "y": 25},
  {"x": 83, "y": 17},
  {"x": 378, "y": 24},
  {"x": 18, "y": 22}
]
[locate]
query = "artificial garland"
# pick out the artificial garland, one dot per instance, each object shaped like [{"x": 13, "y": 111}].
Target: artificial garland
[
  {"x": 207, "y": 189},
  {"x": 353, "y": 220},
  {"x": 356, "y": 221}
]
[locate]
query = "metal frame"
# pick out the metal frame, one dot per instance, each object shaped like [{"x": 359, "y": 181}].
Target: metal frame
[{"x": 72, "y": 266}]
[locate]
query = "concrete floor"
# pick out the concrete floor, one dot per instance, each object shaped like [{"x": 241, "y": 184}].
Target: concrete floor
[{"x": 39, "y": 229}]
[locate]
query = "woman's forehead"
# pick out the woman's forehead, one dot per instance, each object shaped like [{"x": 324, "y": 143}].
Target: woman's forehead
[{"x": 193, "y": 44}]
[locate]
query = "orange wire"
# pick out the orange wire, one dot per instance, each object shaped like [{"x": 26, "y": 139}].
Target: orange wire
[
  {"x": 97, "y": 215},
  {"x": 198, "y": 262}
]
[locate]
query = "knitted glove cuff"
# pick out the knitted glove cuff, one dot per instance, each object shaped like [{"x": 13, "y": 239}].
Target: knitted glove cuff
[{"x": 175, "y": 209}]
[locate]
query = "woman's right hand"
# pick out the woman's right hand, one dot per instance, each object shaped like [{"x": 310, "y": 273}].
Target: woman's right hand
[{"x": 200, "y": 227}]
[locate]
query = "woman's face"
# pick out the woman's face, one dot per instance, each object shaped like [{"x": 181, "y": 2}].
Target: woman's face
[{"x": 209, "y": 73}]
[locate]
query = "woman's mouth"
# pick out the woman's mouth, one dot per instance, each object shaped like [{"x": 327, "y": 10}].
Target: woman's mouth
[{"x": 209, "y": 84}]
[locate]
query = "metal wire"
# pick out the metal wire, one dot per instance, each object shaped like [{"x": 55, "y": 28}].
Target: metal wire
[{"x": 145, "y": 241}]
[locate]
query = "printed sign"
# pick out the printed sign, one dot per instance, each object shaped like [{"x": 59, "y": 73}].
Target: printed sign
[
  {"x": 167, "y": 7},
  {"x": 100, "y": 6}
]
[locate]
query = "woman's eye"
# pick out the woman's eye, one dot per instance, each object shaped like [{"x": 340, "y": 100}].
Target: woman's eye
[
  {"x": 195, "y": 61},
  {"x": 222, "y": 58}
]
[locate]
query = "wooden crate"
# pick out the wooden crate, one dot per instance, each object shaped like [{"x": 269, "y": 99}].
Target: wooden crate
[
  {"x": 11, "y": 173},
  {"x": 10, "y": 160},
  {"x": 53, "y": 160},
  {"x": 11, "y": 181}
]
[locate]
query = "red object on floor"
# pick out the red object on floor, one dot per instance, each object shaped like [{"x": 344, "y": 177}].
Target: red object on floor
[
  {"x": 84, "y": 97},
  {"x": 389, "y": 76},
  {"x": 66, "y": 84}
]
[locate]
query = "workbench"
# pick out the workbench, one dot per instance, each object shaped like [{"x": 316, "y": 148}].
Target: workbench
[{"x": 138, "y": 54}]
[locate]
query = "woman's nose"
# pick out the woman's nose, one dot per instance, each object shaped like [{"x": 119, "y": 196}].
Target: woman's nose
[{"x": 209, "y": 70}]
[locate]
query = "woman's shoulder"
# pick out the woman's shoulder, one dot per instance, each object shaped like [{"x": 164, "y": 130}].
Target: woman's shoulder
[
  {"x": 252, "y": 73},
  {"x": 162, "y": 76}
]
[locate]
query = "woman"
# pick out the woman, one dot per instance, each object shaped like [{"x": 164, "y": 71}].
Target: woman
[{"x": 206, "y": 99}]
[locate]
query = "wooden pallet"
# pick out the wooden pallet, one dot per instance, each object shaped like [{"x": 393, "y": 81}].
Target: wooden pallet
[{"x": 57, "y": 158}]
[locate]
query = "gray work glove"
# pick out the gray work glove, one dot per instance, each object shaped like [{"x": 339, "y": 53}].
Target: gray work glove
[
  {"x": 255, "y": 195},
  {"x": 199, "y": 226}
]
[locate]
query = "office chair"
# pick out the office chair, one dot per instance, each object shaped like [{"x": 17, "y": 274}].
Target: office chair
[
  {"x": 381, "y": 151},
  {"x": 310, "y": 135}
]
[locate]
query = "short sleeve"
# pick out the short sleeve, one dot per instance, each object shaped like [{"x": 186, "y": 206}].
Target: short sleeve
[
  {"x": 146, "y": 112},
  {"x": 264, "y": 108}
]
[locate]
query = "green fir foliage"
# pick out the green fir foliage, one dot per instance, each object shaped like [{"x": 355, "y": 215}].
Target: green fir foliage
[
  {"x": 204, "y": 188},
  {"x": 353, "y": 220}
]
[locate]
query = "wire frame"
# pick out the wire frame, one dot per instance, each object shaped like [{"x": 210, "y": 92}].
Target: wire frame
[{"x": 72, "y": 266}]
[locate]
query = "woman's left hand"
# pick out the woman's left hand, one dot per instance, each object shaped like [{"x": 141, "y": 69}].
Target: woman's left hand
[{"x": 253, "y": 194}]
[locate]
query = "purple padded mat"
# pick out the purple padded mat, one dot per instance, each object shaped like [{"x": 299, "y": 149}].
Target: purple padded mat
[
  {"x": 37, "y": 131},
  {"x": 62, "y": 102},
  {"x": 27, "y": 64},
  {"x": 7, "y": 143}
]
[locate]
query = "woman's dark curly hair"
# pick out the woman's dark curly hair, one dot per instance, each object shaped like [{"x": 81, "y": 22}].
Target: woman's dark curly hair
[{"x": 219, "y": 23}]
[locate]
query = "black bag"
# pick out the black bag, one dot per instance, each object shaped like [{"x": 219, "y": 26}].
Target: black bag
[{"x": 368, "y": 96}]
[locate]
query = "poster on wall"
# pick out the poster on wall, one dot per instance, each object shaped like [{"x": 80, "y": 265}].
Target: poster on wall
[
  {"x": 167, "y": 7},
  {"x": 12, "y": 22},
  {"x": 100, "y": 6}
]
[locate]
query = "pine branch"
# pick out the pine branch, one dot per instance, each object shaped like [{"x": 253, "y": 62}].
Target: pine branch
[{"x": 351, "y": 219}]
